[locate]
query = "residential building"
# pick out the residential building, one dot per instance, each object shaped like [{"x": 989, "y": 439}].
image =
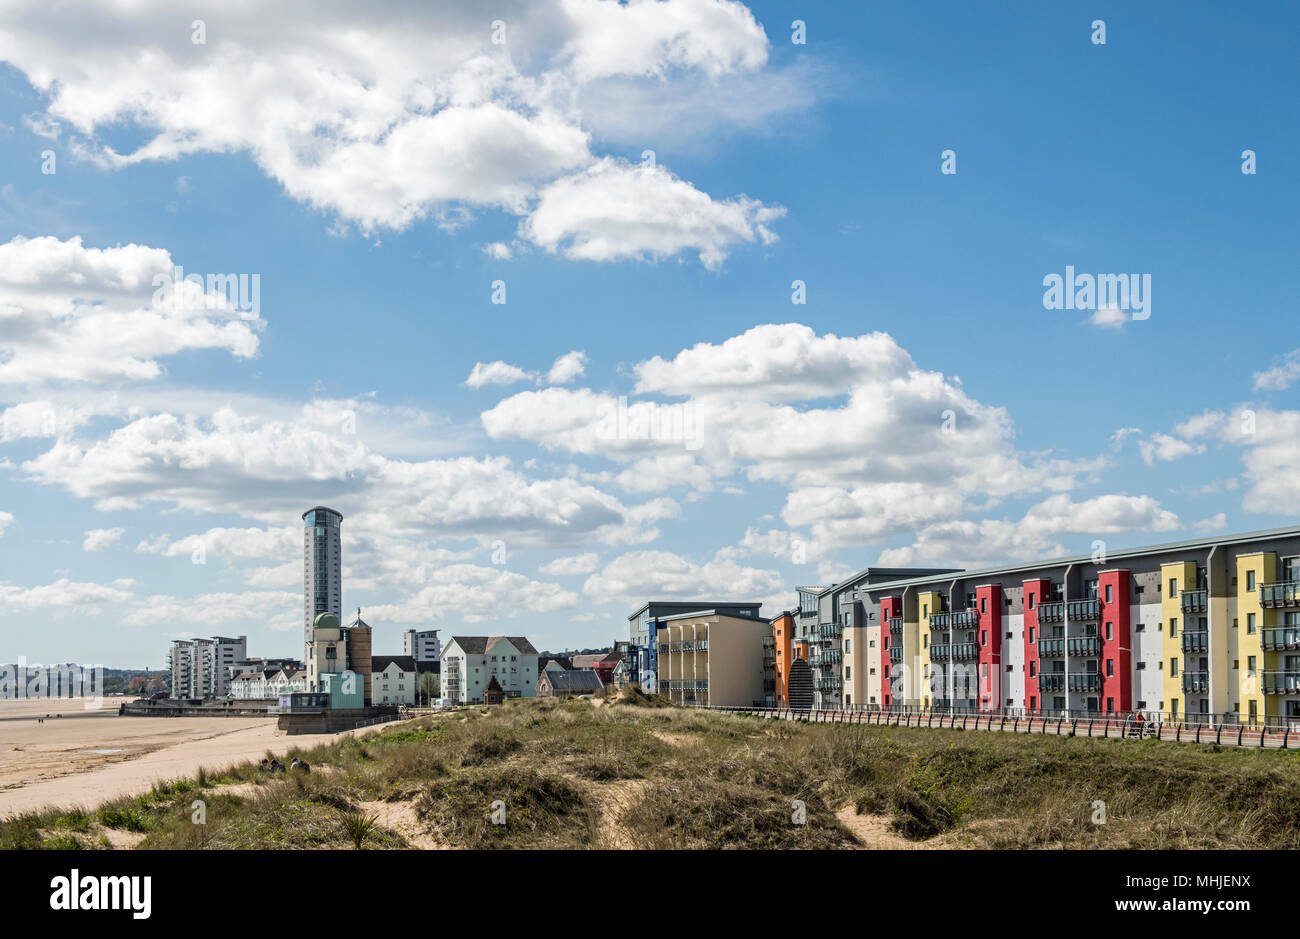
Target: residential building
[
  {"x": 829, "y": 623},
  {"x": 644, "y": 623},
  {"x": 423, "y": 646},
  {"x": 470, "y": 662},
  {"x": 713, "y": 658},
  {"x": 568, "y": 683},
  {"x": 1205, "y": 629},
  {"x": 200, "y": 668},
  {"x": 783, "y": 626},
  {"x": 602, "y": 662},
  {"x": 394, "y": 679},
  {"x": 322, "y": 566},
  {"x": 268, "y": 684}
]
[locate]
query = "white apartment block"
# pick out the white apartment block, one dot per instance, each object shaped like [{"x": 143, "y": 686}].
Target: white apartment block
[
  {"x": 200, "y": 668},
  {"x": 421, "y": 645},
  {"x": 393, "y": 679},
  {"x": 469, "y": 662},
  {"x": 268, "y": 684}
]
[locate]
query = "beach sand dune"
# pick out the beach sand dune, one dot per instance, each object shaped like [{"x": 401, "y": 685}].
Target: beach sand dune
[{"x": 90, "y": 754}]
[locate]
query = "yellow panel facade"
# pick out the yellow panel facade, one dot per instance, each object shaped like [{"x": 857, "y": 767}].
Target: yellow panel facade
[
  {"x": 930, "y": 602},
  {"x": 1174, "y": 579},
  {"x": 1252, "y": 571}
]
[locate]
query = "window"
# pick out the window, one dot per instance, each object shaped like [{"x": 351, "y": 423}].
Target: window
[
  {"x": 984, "y": 637},
  {"x": 1033, "y": 669},
  {"x": 848, "y": 646},
  {"x": 1031, "y": 635},
  {"x": 1250, "y": 624},
  {"x": 1031, "y": 599},
  {"x": 1173, "y": 667},
  {"x": 1141, "y": 666},
  {"x": 984, "y": 604},
  {"x": 1110, "y": 668},
  {"x": 1250, "y": 665},
  {"x": 1173, "y": 588},
  {"x": 1173, "y": 627},
  {"x": 1250, "y": 580}
]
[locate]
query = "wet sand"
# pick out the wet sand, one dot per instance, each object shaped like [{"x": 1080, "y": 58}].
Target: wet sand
[{"x": 55, "y": 764}]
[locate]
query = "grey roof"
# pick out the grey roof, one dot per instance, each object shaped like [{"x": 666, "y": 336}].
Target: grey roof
[
  {"x": 695, "y": 614},
  {"x": 892, "y": 574},
  {"x": 479, "y": 645},
  {"x": 696, "y": 604},
  {"x": 378, "y": 663},
  {"x": 1111, "y": 555},
  {"x": 581, "y": 680}
]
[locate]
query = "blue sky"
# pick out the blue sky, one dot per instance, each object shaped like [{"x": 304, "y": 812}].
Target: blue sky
[{"x": 379, "y": 186}]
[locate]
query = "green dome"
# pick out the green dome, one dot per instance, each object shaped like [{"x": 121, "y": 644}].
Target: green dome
[{"x": 326, "y": 621}]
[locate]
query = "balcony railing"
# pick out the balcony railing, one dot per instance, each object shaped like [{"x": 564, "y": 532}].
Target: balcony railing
[
  {"x": 830, "y": 630},
  {"x": 896, "y": 653},
  {"x": 1053, "y": 611},
  {"x": 1196, "y": 682},
  {"x": 941, "y": 652},
  {"x": 1051, "y": 648},
  {"x": 1194, "y": 601},
  {"x": 1084, "y": 610},
  {"x": 965, "y": 619},
  {"x": 1087, "y": 681},
  {"x": 1281, "y": 683},
  {"x": 828, "y": 684},
  {"x": 1051, "y": 681},
  {"x": 940, "y": 620},
  {"x": 965, "y": 650},
  {"x": 1281, "y": 637},
  {"x": 895, "y": 624},
  {"x": 1084, "y": 645},
  {"x": 1196, "y": 641},
  {"x": 1286, "y": 594},
  {"x": 829, "y": 658}
]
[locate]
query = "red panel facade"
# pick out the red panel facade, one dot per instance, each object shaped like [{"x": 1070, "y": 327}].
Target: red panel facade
[
  {"x": 890, "y": 607},
  {"x": 1116, "y": 647},
  {"x": 1035, "y": 592},
  {"x": 989, "y": 607}
]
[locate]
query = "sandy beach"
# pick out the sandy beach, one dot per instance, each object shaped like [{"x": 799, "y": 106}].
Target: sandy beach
[{"x": 90, "y": 754}]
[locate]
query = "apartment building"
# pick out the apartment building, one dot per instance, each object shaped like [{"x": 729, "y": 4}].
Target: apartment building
[
  {"x": 1200, "y": 629},
  {"x": 393, "y": 679},
  {"x": 828, "y": 621},
  {"x": 644, "y": 623},
  {"x": 423, "y": 646},
  {"x": 783, "y": 646},
  {"x": 470, "y": 662},
  {"x": 200, "y": 668},
  {"x": 715, "y": 658},
  {"x": 268, "y": 684}
]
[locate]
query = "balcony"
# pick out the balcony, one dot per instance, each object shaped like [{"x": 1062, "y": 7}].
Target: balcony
[
  {"x": 940, "y": 620},
  {"x": 1051, "y": 681},
  {"x": 1196, "y": 641},
  {"x": 1281, "y": 683},
  {"x": 1194, "y": 601},
  {"x": 829, "y": 658},
  {"x": 965, "y": 650},
  {"x": 827, "y": 631},
  {"x": 1051, "y": 612},
  {"x": 1087, "y": 681},
  {"x": 941, "y": 653},
  {"x": 1083, "y": 611},
  {"x": 1281, "y": 638},
  {"x": 1280, "y": 596},
  {"x": 1051, "y": 648},
  {"x": 895, "y": 624},
  {"x": 965, "y": 619},
  {"x": 1196, "y": 682},
  {"x": 828, "y": 684},
  {"x": 896, "y": 653},
  {"x": 1089, "y": 646}
]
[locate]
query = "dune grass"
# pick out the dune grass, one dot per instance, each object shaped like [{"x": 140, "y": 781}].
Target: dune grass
[{"x": 689, "y": 779}]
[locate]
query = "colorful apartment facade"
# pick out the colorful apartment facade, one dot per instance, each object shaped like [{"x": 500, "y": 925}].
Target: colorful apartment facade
[{"x": 1202, "y": 629}]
